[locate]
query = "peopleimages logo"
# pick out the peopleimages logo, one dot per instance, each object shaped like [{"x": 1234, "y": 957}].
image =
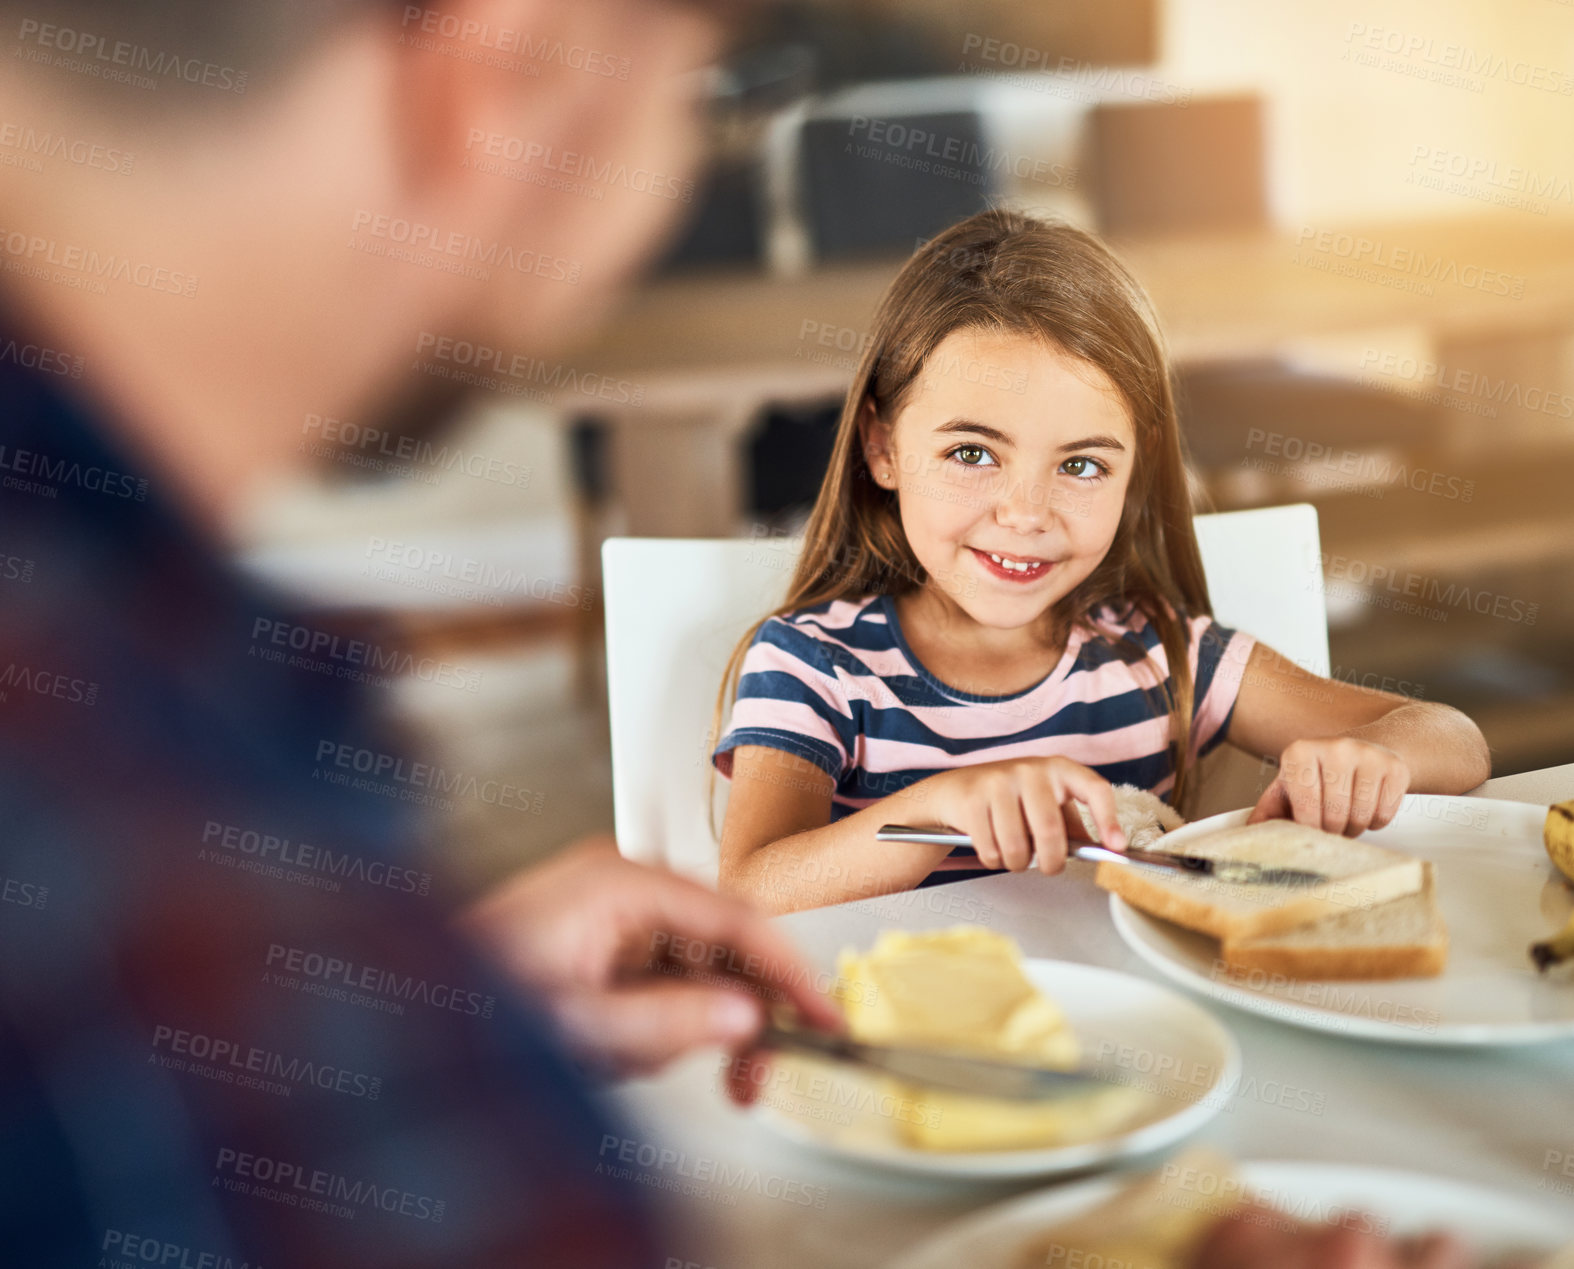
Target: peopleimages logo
[
  {"x": 24, "y": 894},
  {"x": 1408, "y": 584},
  {"x": 36, "y": 253},
  {"x": 893, "y": 140},
  {"x": 125, "y": 1250},
  {"x": 336, "y": 975},
  {"x": 249, "y": 1066},
  {"x": 374, "y": 766},
  {"x": 359, "y": 660},
  {"x": 280, "y": 1180},
  {"x": 453, "y": 249},
  {"x": 483, "y": 581},
  {"x": 1469, "y": 383},
  {"x": 511, "y": 41},
  {"x": 1359, "y": 250},
  {"x": 48, "y": 474},
  {"x": 498, "y": 148},
  {"x": 545, "y": 381},
  {"x": 1363, "y": 467},
  {"x": 93, "y": 54},
  {"x": 269, "y": 851},
  {"x": 672, "y": 1168},
  {"x": 35, "y": 145},
  {"x": 1442, "y": 56},
  {"x": 34, "y": 357},
  {"x": 40, "y": 682}
]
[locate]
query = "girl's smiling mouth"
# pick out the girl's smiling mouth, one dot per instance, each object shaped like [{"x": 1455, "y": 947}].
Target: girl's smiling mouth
[{"x": 1012, "y": 568}]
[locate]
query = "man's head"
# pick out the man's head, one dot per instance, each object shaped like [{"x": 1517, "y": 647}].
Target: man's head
[{"x": 314, "y": 185}]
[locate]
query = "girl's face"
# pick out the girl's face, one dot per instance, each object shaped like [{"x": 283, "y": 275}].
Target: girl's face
[{"x": 1010, "y": 459}]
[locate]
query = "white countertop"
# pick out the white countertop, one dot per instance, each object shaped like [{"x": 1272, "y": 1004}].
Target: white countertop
[{"x": 751, "y": 1200}]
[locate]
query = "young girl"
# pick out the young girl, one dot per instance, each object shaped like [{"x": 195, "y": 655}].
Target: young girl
[{"x": 1000, "y": 608}]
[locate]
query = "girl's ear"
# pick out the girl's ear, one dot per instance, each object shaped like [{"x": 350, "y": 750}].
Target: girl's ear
[{"x": 874, "y": 434}]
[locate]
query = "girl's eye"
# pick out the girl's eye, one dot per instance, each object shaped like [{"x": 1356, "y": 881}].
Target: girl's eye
[
  {"x": 973, "y": 456},
  {"x": 1084, "y": 467}
]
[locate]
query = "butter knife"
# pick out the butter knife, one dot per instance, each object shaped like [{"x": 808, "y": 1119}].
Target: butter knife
[
  {"x": 1233, "y": 871},
  {"x": 936, "y": 1068}
]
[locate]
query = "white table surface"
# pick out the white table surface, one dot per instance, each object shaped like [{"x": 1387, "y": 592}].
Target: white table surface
[{"x": 747, "y": 1199}]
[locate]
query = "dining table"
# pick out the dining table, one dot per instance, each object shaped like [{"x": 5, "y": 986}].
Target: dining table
[{"x": 735, "y": 1193}]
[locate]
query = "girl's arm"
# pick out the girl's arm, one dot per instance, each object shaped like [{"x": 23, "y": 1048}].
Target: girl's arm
[
  {"x": 779, "y": 848},
  {"x": 1347, "y": 754}
]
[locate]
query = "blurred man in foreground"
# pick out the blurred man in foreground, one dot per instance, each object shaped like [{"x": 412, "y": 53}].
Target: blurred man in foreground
[
  {"x": 217, "y": 220},
  {"x": 235, "y": 1024}
]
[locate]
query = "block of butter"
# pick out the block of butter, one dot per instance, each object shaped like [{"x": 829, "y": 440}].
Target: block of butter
[{"x": 963, "y": 990}]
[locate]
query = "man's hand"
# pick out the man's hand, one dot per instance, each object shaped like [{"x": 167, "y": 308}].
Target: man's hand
[
  {"x": 1239, "y": 1242},
  {"x": 639, "y": 966}
]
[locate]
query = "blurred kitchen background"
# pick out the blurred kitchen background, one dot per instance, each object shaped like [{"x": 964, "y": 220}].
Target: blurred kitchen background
[{"x": 1357, "y": 222}]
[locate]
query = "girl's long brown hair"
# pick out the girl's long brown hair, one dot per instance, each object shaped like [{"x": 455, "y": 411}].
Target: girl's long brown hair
[{"x": 1005, "y": 271}]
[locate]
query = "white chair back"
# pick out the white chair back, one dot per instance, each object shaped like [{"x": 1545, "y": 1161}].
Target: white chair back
[{"x": 675, "y": 608}]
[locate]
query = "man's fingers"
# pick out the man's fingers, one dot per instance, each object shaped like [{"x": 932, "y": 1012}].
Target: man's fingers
[
  {"x": 746, "y": 1073},
  {"x": 1240, "y": 1243},
  {"x": 731, "y": 937},
  {"x": 1436, "y": 1251},
  {"x": 1234, "y": 1243},
  {"x": 639, "y": 1029}
]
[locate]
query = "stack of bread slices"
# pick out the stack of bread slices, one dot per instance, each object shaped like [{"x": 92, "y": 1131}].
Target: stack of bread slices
[{"x": 1375, "y": 916}]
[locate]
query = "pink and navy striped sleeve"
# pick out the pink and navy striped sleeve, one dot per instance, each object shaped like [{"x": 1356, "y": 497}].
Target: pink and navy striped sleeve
[{"x": 790, "y": 698}]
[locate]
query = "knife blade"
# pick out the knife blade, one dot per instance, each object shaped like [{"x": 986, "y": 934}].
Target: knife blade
[
  {"x": 1231, "y": 871},
  {"x": 937, "y": 1068}
]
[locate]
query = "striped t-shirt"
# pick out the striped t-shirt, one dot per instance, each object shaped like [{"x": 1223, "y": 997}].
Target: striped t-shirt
[{"x": 838, "y": 685}]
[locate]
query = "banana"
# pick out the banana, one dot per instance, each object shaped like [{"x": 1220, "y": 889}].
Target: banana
[
  {"x": 1558, "y": 948},
  {"x": 1558, "y": 834}
]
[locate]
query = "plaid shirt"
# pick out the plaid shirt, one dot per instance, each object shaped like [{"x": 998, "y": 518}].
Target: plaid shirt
[{"x": 233, "y": 1027}]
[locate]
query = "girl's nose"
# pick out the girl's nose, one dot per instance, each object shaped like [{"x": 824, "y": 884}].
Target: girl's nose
[{"x": 1025, "y": 509}]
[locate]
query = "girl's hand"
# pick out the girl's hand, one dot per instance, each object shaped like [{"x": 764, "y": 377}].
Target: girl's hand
[
  {"x": 1013, "y": 808},
  {"x": 1339, "y": 784}
]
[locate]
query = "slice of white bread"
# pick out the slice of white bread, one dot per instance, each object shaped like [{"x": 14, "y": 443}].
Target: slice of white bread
[
  {"x": 1157, "y": 1222},
  {"x": 1403, "y": 938},
  {"x": 1360, "y": 875}
]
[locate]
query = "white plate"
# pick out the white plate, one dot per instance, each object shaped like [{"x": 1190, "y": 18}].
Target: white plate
[
  {"x": 1164, "y": 1044},
  {"x": 1498, "y": 893},
  {"x": 1493, "y": 1222}
]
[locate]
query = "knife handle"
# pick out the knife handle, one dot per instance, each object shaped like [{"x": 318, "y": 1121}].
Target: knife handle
[
  {"x": 778, "y": 1035},
  {"x": 938, "y": 836},
  {"x": 934, "y": 836}
]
